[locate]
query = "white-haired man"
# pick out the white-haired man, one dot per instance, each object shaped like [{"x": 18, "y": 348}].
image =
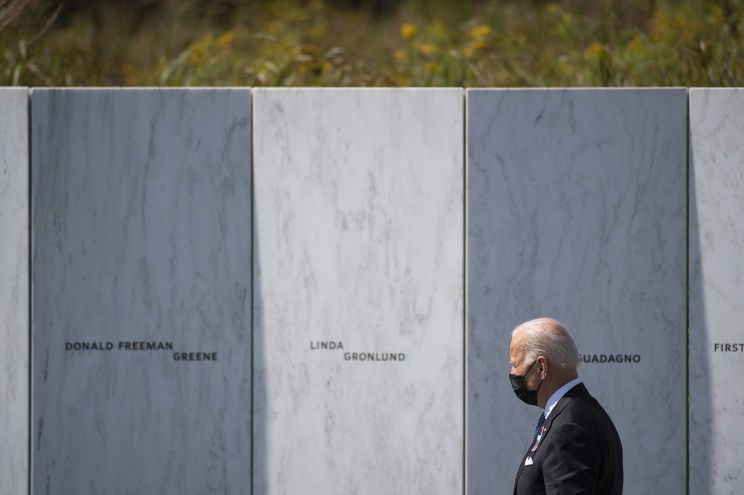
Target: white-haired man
[{"x": 575, "y": 448}]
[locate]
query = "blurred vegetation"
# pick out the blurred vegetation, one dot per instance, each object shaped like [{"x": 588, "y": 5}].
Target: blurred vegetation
[{"x": 471, "y": 43}]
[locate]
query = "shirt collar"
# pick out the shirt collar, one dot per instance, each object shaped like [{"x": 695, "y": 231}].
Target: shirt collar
[{"x": 558, "y": 395}]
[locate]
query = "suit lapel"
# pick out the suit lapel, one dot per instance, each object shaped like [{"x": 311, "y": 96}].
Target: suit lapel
[{"x": 577, "y": 391}]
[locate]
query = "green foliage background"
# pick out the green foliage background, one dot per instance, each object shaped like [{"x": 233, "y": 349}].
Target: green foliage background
[{"x": 471, "y": 43}]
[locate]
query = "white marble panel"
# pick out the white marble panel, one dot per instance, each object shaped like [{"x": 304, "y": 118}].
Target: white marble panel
[
  {"x": 141, "y": 242},
  {"x": 577, "y": 210},
  {"x": 716, "y": 291},
  {"x": 14, "y": 295},
  {"x": 359, "y": 243}
]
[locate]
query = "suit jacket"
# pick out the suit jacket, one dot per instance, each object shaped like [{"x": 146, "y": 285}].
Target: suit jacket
[{"x": 577, "y": 451}]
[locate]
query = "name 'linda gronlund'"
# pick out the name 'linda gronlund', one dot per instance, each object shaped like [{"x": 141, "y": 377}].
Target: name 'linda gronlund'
[{"x": 358, "y": 356}]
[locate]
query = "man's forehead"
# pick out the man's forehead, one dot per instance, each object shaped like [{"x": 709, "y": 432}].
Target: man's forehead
[
  {"x": 515, "y": 350},
  {"x": 516, "y": 342}
]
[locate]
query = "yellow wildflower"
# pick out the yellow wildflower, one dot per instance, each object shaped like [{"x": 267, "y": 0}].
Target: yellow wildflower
[
  {"x": 480, "y": 31},
  {"x": 309, "y": 49},
  {"x": 196, "y": 55},
  {"x": 566, "y": 68},
  {"x": 478, "y": 44},
  {"x": 433, "y": 68},
  {"x": 200, "y": 48},
  {"x": 637, "y": 46},
  {"x": 595, "y": 50},
  {"x": 400, "y": 54},
  {"x": 408, "y": 31},
  {"x": 226, "y": 39},
  {"x": 426, "y": 49}
]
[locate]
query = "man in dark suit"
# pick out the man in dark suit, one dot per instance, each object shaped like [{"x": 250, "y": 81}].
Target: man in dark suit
[{"x": 575, "y": 448}]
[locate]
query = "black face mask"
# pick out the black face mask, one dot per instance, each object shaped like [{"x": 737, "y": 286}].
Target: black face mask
[{"x": 520, "y": 389}]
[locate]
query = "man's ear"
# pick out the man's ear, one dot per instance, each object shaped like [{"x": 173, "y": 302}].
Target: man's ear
[{"x": 542, "y": 367}]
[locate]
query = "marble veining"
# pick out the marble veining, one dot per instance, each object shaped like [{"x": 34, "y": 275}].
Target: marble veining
[
  {"x": 141, "y": 259},
  {"x": 577, "y": 210},
  {"x": 716, "y": 290},
  {"x": 14, "y": 291},
  {"x": 359, "y": 286}
]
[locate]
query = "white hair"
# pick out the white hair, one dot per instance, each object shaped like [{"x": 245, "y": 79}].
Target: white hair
[{"x": 547, "y": 337}]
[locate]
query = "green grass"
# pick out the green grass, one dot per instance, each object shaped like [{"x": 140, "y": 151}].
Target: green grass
[{"x": 315, "y": 43}]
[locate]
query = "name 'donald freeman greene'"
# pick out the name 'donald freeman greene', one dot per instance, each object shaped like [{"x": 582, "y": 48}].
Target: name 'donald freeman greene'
[{"x": 141, "y": 346}]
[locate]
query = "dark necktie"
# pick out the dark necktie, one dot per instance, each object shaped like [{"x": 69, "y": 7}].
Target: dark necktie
[{"x": 537, "y": 428}]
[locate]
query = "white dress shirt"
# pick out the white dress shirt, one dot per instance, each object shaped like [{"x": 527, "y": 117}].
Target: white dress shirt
[{"x": 558, "y": 394}]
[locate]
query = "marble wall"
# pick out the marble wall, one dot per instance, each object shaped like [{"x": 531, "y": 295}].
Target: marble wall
[
  {"x": 716, "y": 290},
  {"x": 14, "y": 291},
  {"x": 339, "y": 343},
  {"x": 577, "y": 210},
  {"x": 141, "y": 252},
  {"x": 359, "y": 291}
]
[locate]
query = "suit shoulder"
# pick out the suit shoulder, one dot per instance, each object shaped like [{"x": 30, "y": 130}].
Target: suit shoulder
[{"x": 586, "y": 412}]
